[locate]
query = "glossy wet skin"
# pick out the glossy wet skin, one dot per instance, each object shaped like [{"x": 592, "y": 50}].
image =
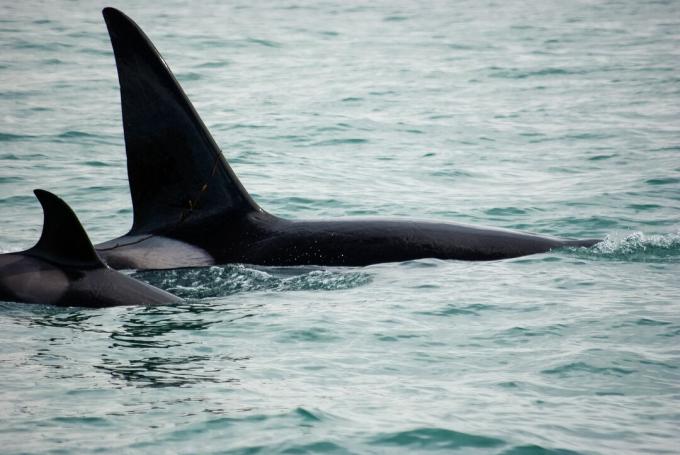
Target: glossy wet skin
[
  {"x": 262, "y": 239},
  {"x": 32, "y": 280},
  {"x": 359, "y": 242},
  {"x": 23, "y": 278}
]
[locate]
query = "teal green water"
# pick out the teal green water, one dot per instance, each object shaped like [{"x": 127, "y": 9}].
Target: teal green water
[{"x": 554, "y": 117}]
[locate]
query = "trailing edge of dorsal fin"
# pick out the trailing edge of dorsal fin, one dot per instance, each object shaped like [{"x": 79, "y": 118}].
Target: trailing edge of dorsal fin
[
  {"x": 176, "y": 171},
  {"x": 63, "y": 240}
]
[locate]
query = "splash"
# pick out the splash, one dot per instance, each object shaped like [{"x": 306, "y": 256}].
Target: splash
[
  {"x": 637, "y": 247},
  {"x": 225, "y": 280}
]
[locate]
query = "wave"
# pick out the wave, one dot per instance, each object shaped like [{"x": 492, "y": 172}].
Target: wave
[{"x": 518, "y": 73}]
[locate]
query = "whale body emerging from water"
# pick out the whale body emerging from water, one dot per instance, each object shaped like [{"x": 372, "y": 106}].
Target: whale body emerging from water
[
  {"x": 64, "y": 269},
  {"x": 189, "y": 208}
]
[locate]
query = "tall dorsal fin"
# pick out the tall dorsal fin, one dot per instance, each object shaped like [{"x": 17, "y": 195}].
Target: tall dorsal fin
[
  {"x": 63, "y": 240},
  {"x": 176, "y": 171}
]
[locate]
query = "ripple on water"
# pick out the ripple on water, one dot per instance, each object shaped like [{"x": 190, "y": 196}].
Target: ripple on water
[
  {"x": 309, "y": 335},
  {"x": 336, "y": 142},
  {"x": 537, "y": 450},
  {"x": 584, "y": 368},
  {"x": 10, "y": 179},
  {"x": 26, "y": 157},
  {"x": 516, "y": 73},
  {"x": 263, "y": 42},
  {"x": 459, "y": 310},
  {"x": 9, "y": 137},
  {"x": 663, "y": 181},
  {"x": 436, "y": 438}
]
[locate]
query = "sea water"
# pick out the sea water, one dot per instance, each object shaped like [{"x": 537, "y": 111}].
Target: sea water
[{"x": 554, "y": 117}]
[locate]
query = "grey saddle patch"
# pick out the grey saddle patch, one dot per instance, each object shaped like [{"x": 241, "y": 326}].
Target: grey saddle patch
[
  {"x": 31, "y": 279},
  {"x": 152, "y": 252}
]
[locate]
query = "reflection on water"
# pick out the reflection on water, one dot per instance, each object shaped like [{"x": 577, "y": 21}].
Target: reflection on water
[
  {"x": 72, "y": 318},
  {"x": 165, "y": 371},
  {"x": 166, "y": 346},
  {"x": 163, "y": 347},
  {"x": 149, "y": 347},
  {"x": 160, "y": 346}
]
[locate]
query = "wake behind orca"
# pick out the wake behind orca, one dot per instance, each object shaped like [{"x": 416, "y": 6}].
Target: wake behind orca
[
  {"x": 189, "y": 208},
  {"x": 64, "y": 269}
]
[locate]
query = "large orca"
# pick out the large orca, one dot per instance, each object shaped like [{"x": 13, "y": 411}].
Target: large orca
[
  {"x": 64, "y": 269},
  {"x": 189, "y": 208}
]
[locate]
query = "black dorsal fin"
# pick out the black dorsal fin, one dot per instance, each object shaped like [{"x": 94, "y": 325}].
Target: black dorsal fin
[
  {"x": 63, "y": 240},
  {"x": 176, "y": 171}
]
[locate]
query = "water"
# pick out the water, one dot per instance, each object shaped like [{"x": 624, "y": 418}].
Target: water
[{"x": 556, "y": 117}]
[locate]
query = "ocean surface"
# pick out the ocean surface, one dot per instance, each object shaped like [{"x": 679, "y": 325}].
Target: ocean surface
[{"x": 554, "y": 117}]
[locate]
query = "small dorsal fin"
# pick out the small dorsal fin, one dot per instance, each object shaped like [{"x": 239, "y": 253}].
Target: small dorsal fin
[
  {"x": 176, "y": 171},
  {"x": 63, "y": 240}
]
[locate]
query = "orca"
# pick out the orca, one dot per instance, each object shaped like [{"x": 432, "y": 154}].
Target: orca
[
  {"x": 189, "y": 208},
  {"x": 64, "y": 269}
]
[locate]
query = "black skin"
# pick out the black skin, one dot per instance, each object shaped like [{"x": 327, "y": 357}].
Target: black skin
[
  {"x": 269, "y": 240},
  {"x": 262, "y": 239},
  {"x": 63, "y": 269},
  {"x": 28, "y": 279},
  {"x": 182, "y": 188}
]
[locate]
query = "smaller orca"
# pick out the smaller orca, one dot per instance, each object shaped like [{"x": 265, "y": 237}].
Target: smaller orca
[
  {"x": 190, "y": 209},
  {"x": 64, "y": 269}
]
